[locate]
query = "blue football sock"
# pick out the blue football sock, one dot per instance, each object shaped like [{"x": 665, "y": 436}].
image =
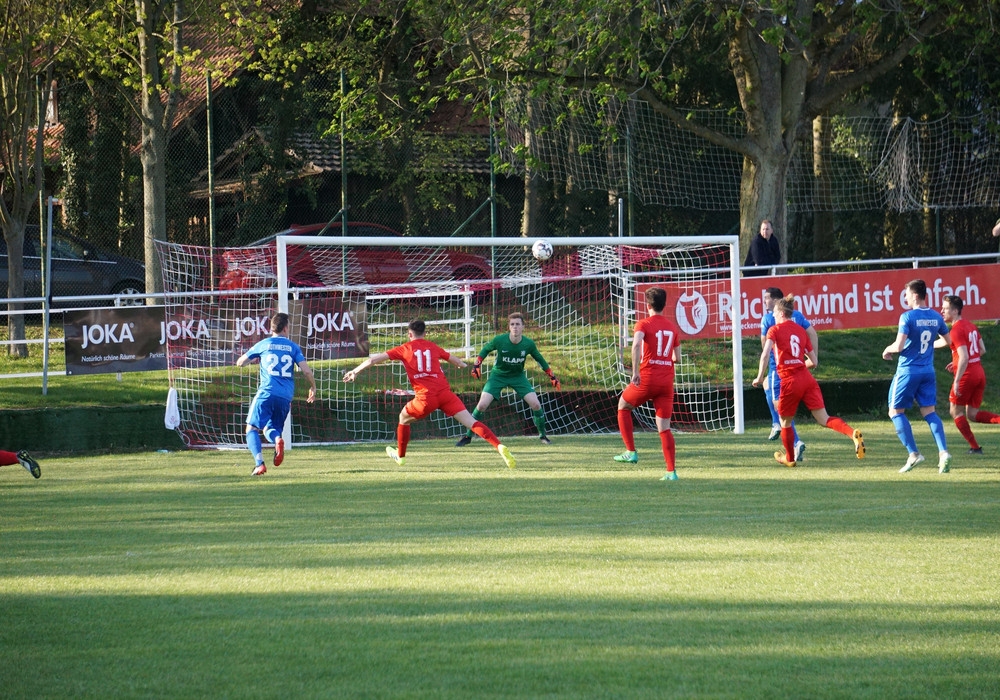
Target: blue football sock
[
  {"x": 937, "y": 430},
  {"x": 905, "y": 432},
  {"x": 254, "y": 445}
]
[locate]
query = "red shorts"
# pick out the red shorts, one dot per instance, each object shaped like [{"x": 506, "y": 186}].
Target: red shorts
[
  {"x": 424, "y": 404},
  {"x": 971, "y": 386},
  {"x": 661, "y": 394},
  {"x": 801, "y": 387}
]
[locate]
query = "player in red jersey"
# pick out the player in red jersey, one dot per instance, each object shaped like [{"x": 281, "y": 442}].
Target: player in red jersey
[
  {"x": 795, "y": 355},
  {"x": 422, "y": 361},
  {"x": 654, "y": 352},
  {"x": 970, "y": 381}
]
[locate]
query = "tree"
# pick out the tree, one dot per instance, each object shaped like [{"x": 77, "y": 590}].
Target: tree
[
  {"x": 393, "y": 67},
  {"x": 31, "y": 37},
  {"x": 790, "y": 61},
  {"x": 143, "y": 48}
]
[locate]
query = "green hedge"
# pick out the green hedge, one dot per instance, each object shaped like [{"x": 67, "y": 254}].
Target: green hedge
[{"x": 141, "y": 427}]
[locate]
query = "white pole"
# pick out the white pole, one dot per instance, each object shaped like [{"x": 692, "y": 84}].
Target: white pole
[{"x": 737, "y": 325}]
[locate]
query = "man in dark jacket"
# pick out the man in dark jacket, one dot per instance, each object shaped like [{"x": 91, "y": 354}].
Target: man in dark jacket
[{"x": 765, "y": 251}]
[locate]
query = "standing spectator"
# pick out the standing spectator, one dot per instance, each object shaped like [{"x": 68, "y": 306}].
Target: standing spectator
[
  {"x": 22, "y": 458},
  {"x": 772, "y": 382},
  {"x": 967, "y": 389},
  {"x": 512, "y": 349},
  {"x": 764, "y": 252},
  {"x": 655, "y": 344},
  {"x": 278, "y": 358},
  {"x": 422, "y": 361},
  {"x": 791, "y": 344},
  {"x": 914, "y": 380},
  {"x": 996, "y": 229}
]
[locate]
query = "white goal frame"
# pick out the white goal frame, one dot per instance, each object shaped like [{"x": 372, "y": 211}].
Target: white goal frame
[{"x": 284, "y": 291}]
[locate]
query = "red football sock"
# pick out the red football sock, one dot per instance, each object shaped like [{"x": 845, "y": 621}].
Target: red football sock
[
  {"x": 7, "y": 458},
  {"x": 987, "y": 417},
  {"x": 626, "y": 429},
  {"x": 962, "y": 423},
  {"x": 402, "y": 439},
  {"x": 480, "y": 429},
  {"x": 788, "y": 440},
  {"x": 669, "y": 449},
  {"x": 834, "y": 423}
]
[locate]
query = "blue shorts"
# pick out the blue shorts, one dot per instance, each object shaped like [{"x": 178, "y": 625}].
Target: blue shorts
[
  {"x": 907, "y": 388},
  {"x": 774, "y": 384},
  {"x": 268, "y": 412}
]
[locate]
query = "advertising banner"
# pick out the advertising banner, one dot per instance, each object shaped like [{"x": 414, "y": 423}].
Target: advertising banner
[
  {"x": 114, "y": 339},
  {"x": 145, "y": 338},
  {"x": 839, "y": 300}
]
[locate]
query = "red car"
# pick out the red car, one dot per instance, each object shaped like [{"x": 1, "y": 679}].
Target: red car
[{"x": 254, "y": 265}]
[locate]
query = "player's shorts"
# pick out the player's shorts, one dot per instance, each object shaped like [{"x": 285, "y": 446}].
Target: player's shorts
[
  {"x": 907, "y": 388},
  {"x": 800, "y": 388},
  {"x": 424, "y": 404},
  {"x": 661, "y": 394},
  {"x": 521, "y": 385},
  {"x": 774, "y": 385},
  {"x": 268, "y": 412},
  {"x": 972, "y": 386}
]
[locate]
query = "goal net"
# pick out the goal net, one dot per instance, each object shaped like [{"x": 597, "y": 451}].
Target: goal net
[{"x": 352, "y": 297}]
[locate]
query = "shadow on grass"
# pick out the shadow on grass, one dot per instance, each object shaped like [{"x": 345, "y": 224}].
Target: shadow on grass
[{"x": 372, "y": 643}]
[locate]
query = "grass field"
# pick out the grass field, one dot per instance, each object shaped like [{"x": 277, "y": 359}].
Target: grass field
[{"x": 340, "y": 575}]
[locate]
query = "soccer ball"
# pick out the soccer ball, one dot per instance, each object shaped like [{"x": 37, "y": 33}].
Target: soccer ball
[{"x": 542, "y": 250}]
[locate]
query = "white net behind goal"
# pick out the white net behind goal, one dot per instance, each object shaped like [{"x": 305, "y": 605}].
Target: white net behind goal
[{"x": 349, "y": 298}]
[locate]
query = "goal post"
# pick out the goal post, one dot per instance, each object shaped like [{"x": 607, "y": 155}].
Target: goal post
[{"x": 349, "y": 297}]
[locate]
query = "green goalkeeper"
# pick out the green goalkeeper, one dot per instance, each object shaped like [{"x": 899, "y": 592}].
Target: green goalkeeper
[{"x": 512, "y": 349}]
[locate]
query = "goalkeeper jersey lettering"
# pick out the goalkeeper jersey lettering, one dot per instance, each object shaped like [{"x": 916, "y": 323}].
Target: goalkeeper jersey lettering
[
  {"x": 511, "y": 356},
  {"x": 422, "y": 361}
]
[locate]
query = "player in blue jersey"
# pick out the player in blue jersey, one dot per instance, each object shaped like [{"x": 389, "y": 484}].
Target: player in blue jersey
[
  {"x": 278, "y": 358},
  {"x": 914, "y": 379},
  {"x": 772, "y": 383}
]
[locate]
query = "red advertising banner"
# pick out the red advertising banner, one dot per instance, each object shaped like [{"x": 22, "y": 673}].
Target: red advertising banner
[{"x": 838, "y": 300}]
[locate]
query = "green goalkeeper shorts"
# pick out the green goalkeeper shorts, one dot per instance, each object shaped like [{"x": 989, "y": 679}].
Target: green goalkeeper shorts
[{"x": 495, "y": 384}]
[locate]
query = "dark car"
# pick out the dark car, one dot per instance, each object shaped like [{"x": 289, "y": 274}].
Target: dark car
[
  {"x": 252, "y": 266},
  {"x": 78, "y": 269}
]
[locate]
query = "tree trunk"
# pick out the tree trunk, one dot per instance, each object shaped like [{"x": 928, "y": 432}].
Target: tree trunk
[
  {"x": 531, "y": 225},
  {"x": 762, "y": 196},
  {"x": 15, "y": 289},
  {"x": 154, "y": 191},
  {"x": 824, "y": 240}
]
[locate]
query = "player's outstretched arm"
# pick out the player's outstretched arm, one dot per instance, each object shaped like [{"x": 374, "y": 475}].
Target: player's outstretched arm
[
  {"x": 308, "y": 374},
  {"x": 352, "y": 374}
]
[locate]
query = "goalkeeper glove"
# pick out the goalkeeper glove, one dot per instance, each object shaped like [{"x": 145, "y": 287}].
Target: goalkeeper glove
[
  {"x": 477, "y": 368},
  {"x": 552, "y": 378}
]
